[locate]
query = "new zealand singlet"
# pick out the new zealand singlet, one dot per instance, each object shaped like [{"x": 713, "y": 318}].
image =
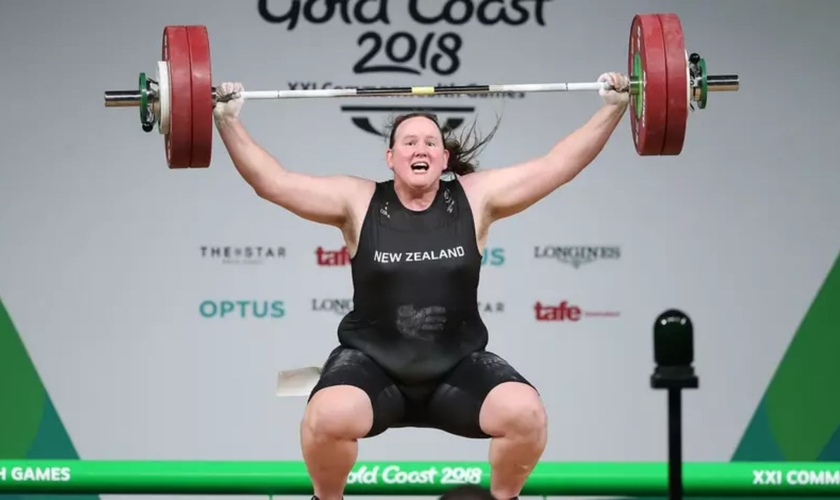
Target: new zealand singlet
[{"x": 415, "y": 277}]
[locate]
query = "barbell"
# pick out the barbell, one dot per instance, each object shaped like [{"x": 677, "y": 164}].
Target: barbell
[{"x": 665, "y": 84}]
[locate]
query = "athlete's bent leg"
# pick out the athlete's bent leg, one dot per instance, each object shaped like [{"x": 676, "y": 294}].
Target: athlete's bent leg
[
  {"x": 485, "y": 397},
  {"x": 514, "y": 416},
  {"x": 335, "y": 419},
  {"x": 353, "y": 399}
]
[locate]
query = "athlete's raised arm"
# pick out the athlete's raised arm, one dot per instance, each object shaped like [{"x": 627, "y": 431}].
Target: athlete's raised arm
[
  {"x": 323, "y": 199},
  {"x": 509, "y": 190}
]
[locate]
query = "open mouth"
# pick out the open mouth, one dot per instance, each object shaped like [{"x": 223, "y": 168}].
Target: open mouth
[{"x": 420, "y": 166}]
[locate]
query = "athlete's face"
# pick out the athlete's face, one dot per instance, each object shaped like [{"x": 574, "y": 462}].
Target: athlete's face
[{"x": 418, "y": 156}]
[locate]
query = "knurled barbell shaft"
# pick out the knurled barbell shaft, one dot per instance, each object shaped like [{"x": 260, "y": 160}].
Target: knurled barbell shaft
[
  {"x": 421, "y": 90},
  {"x": 128, "y": 98},
  {"x": 122, "y": 98}
]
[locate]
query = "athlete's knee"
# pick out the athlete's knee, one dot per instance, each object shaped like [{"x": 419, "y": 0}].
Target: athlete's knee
[
  {"x": 338, "y": 412},
  {"x": 514, "y": 409}
]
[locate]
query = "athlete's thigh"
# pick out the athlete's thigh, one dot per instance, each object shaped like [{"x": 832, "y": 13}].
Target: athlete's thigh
[
  {"x": 455, "y": 406},
  {"x": 347, "y": 366}
]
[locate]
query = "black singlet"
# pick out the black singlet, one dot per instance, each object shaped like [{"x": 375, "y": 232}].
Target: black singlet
[{"x": 415, "y": 278}]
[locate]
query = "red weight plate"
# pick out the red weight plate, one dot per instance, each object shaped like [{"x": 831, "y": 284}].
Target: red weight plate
[
  {"x": 176, "y": 52},
  {"x": 202, "y": 97},
  {"x": 676, "y": 64},
  {"x": 648, "y": 110}
]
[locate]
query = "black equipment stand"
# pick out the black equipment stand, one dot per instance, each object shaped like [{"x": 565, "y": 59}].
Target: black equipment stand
[{"x": 673, "y": 348}]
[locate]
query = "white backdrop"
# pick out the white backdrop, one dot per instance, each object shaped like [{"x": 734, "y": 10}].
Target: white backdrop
[{"x": 107, "y": 259}]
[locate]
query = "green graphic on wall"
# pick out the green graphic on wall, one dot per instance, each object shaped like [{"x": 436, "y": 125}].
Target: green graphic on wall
[
  {"x": 30, "y": 427},
  {"x": 798, "y": 418}
]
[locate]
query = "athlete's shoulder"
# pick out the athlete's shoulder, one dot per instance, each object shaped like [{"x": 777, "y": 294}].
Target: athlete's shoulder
[
  {"x": 456, "y": 184},
  {"x": 466, "y": 180},
  {"x": 382, "y": 188}
]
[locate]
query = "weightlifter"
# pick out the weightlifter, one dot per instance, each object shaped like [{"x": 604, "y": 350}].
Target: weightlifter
[{"x": 412, "y": 352}]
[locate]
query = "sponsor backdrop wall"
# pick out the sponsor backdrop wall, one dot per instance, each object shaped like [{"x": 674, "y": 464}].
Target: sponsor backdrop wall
[{"x": 146, "y": 312}]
